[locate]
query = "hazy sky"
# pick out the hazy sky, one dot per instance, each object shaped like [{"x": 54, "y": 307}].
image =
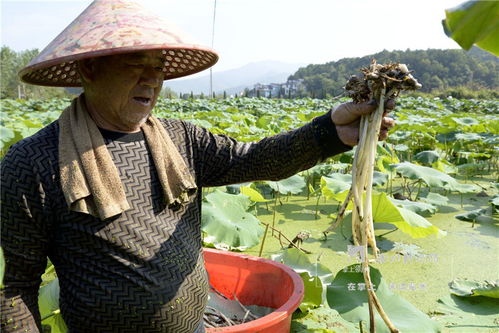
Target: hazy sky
[{"x": 294, "y": 31}]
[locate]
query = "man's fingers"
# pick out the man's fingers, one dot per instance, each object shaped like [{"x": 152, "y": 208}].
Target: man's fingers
[
  {"x": 390, "y": 105},
  {"x": 349, "y": 134},
  {"x": 387, "y": 123},
  {"x": 383, "y": 135},
  {"x": 346, "y": 117},
  {"x": 348, "y": 112}
]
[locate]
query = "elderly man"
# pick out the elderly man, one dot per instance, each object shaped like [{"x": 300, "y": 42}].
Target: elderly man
[{"x": 112, "y": 195}]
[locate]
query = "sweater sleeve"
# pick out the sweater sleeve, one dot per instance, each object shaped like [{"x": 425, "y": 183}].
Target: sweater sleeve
[
  {"x": 223, "y": 160},
  {"x": 24, "y": 241}
]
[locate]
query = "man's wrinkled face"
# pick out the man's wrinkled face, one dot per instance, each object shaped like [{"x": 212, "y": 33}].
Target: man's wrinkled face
[{"x": 126, "y": 87}]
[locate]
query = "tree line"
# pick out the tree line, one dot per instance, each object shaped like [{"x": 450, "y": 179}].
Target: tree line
[
  {"x": 10, "y": 84},
  {"x": 437, "y": 70},
  {"x": 463, "y": 74}
]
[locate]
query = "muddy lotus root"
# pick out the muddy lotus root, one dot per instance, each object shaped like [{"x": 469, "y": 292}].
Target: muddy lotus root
[{"x": 395, "y": 77}]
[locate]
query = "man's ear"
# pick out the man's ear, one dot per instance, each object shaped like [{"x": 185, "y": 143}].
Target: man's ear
[{"x": 86, "y": 68}]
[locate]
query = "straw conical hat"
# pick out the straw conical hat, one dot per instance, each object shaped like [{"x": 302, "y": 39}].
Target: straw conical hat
[{"x": 110, "y": 27}]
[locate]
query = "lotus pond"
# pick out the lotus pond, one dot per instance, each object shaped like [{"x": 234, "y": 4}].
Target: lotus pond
[{"x": 435, "y": 207}]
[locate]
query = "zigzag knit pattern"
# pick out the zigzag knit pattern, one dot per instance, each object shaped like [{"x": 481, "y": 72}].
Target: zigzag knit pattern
[{"x": 141, "y": 271}]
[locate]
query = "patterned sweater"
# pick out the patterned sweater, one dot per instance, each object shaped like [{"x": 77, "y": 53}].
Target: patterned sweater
[{"x": 143, "y": 270}]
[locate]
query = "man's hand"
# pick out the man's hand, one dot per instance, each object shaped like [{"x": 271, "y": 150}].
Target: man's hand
[{"x": 346, "y": 117}]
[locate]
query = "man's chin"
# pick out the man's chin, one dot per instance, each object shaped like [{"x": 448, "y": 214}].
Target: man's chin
[{"x": 132, "y": 124}]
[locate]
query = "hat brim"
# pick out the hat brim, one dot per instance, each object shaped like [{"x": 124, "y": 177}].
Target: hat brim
[{"x": 180, "y": 61}]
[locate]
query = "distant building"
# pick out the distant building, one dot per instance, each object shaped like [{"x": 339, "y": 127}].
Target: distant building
[
  {"x": 273, "y": 90},
  {"x": 291, "y": 87}
]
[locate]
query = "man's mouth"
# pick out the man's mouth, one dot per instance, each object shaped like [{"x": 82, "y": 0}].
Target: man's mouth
[{"x": 143, "y": 100}]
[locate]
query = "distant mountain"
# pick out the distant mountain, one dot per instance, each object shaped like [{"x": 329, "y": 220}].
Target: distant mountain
[{"x": 235, "y": 80}]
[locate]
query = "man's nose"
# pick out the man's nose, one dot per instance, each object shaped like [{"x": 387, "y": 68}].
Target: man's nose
[{"x": 151, "y": 77}]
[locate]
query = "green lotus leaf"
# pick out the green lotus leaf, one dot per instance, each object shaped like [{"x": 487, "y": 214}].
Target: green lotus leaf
[
  {"x": 320, "y": 169},
  {"x": 385, "y": 211},
  {"x": 416, "y": 225},
  {"x": 495, "y": 201},
  {"x": 346, "y": 295},
  {"x": 347, "y": 157},
  {"x": 385, "y": 149},
  {"x": 235, "y": 188},
  {"x": 468, "y": 314},
  {"x": 252, "y": 194},
  {"x": 48, "y": 304},
  {"x": 432, "y": 177},
  {"x": 339, "y": 166},
  {"x": 468, "y": 137},
  {"x": 264, "y": 121},
  {"x": 474, "y": 22},
  {"x": 233, "y": 130},
  {"x": 324, "y": 169},
  {"x": 465, "y": 121},
  {"x": 300, "y": 263},
  {"x": 471, "y": 167},
  {"x": 471, "y": 216},
  {"x": 420, "y": 208},
  {"x": 335, "y": 184},
  {"x": 201, "y": 123},
  {"x": 400, "y": 135},
  {"x": 8, "y": 137},
  {"x": 226, "y": 220},
  {"x": 401, "y": 147},
  {"x": 445, "y": 167},
  {"x": 435, "y": 199},
  {"x": 313, "y": 292},
  {"x": 6, "y": 134},
  {"x": 446, "y": 137},
  {"x": 383, "y": 162},
  {"x": 479, "y": 156},
  {"x": 468, "y": 288},
  {"x": 464, "y": 188},
  {"x": 379, "y": 178},
  {"x": 49, "y": 274},
  {"x": 492, "y": 139},
  {"x": 49, "y": 298},
  {"x": 427, "y": 157},
  {"x": 294, "y": 185}
]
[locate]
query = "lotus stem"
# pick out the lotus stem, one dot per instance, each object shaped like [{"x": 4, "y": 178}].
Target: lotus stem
[
  {"x": 51, "y": 314},
  {"x": 263, "y": 241},
  {"x": 419, "y": 190},
  {"x": 380, "y": 82},
  {"x": 275, "y": 208},
  {"x": 341, "y": 213},
  {"x": 282, "y": 235},
  {"x": 362, "y": 219},
  {"x": 317, "y": 206}
]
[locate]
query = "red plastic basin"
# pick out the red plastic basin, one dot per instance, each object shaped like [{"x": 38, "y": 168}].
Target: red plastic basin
[{"x": 255, "y": 281}]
